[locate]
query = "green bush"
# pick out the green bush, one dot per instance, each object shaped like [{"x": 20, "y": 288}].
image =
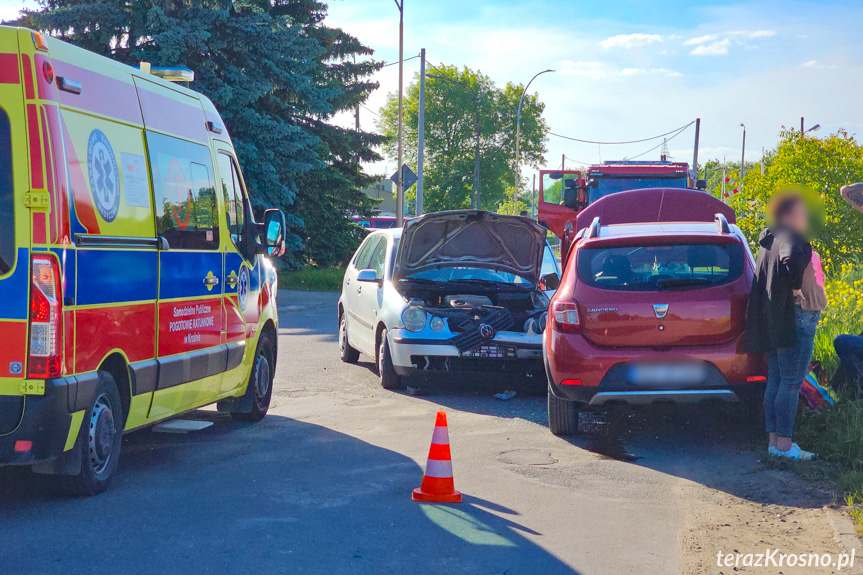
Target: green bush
[{"x": 844, "y": 313}]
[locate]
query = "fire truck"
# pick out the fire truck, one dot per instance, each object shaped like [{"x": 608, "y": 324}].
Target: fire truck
[{"x": 563, "y": 193}]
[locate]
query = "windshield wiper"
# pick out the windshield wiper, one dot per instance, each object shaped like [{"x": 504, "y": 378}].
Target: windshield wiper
[
  {"x": 492, "y": 283},
  {"x": 421, "y": 281},
  {"x": 683, "y": 282}
]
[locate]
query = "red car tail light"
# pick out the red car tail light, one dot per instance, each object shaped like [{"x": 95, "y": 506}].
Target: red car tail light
[
  {"x": 571, "y": 382},
  {"x": 755, "y": 378},
  {"x": 46, "y": 320},
  {"x": 566, "y": 318}
]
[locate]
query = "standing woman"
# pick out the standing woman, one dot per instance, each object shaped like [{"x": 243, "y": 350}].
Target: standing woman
[{"x": 777, "y": 324}]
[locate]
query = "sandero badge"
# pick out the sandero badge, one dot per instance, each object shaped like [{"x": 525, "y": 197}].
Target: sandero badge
[{"x": 660, "y": 309}]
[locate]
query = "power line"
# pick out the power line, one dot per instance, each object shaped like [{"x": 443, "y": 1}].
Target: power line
[
  {"x": 680, "y": 131},
  {"x": 465, "y": 88},
  {"x": 578, "y": 162},
  {"x": 367, "y": 109},
  {"x": 621, "y": 143},
  {"x": 405, "y": 60}
]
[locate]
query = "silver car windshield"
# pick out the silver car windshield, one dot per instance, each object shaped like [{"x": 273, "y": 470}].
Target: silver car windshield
[{"x": 470, "y": 273}]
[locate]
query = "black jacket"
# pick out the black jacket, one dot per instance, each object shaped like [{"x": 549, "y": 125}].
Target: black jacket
[{"x": 782, "y": 258}]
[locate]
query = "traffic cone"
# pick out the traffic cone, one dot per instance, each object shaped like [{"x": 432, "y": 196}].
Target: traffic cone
[{"x": 437, "y": 485}]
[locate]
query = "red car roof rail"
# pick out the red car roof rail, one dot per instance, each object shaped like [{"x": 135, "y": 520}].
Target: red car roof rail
[
  {"x": 593, "y": 232},
  {"x": 721, "y": 224}
]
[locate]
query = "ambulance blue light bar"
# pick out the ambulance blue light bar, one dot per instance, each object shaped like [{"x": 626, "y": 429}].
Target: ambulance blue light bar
[{"x": 170, "y": 74}]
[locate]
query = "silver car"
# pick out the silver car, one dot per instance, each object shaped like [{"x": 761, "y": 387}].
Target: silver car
[{"x": 460, "y": 291}]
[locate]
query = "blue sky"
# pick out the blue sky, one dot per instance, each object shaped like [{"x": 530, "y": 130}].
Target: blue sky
[{"x": 632, "y": 69}]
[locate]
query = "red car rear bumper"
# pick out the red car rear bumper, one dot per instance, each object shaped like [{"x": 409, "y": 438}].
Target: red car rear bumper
[{"x": 592, "y": 370}]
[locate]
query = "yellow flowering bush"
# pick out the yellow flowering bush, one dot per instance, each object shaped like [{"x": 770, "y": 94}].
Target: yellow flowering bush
[{"x": 844, "y": 313}]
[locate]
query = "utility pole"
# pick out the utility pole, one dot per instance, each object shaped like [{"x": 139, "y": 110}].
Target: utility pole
[
  {"x": 421, "y": 132},
  {"x": 533, "y": 199},
  {"x": 801, "y": 124},
  {"x": 742, "y": 157},
  {"x": 400, "y": 187},
  {"x": 723, "y": 179},
  {"x": 357, "y": 110},
  {"x": 695, "y": 149}
]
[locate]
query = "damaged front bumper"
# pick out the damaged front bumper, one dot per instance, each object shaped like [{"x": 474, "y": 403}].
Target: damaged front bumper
[{"x": 507, "y": 353}]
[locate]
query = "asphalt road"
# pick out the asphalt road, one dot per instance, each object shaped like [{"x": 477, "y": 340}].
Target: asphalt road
[{"x": 323, "y": 484}]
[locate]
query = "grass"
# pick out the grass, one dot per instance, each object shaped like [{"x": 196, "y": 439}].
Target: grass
[
  {"x": 311, "y": 278},
  {"x": 853, "y": 501}
]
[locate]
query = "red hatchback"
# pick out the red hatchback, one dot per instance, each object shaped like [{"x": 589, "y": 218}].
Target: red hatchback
[{"x": 651, "y": 307}]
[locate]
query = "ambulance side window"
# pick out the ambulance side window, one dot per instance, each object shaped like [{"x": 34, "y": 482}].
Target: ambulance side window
[
  {"x": 232, "y": 193},
  {"x": 7, "y": 191},
  {"x": 185, "y": 193}
]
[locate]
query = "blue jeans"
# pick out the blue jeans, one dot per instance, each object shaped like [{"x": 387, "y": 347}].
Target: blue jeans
[
  {"x": 849, "y": 348},
  {"x": 786, "y": 369}
]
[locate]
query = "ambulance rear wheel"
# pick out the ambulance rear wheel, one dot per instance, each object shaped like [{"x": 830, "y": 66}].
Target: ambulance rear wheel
[
  {"x": 259, "y": 390},
  {"x": 98, "y": 443}
]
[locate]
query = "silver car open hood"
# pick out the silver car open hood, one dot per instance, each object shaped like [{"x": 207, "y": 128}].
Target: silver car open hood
[{"x": 471, "y": 238}]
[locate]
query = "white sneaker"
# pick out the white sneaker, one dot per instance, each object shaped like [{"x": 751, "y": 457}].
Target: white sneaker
[{"x": 794, "y": 453}]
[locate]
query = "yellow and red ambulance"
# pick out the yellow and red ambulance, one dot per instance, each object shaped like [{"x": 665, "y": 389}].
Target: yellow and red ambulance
[{"x": 135, "y": 283}]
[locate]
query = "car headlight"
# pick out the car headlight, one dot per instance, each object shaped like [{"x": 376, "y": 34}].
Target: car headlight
[
  {"x": 437, "y": 323},
  {"x": 414, "y": 318}
]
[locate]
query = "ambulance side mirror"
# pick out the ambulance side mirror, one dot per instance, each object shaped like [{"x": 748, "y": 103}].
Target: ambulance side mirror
[{"x": 274, "y": 233}]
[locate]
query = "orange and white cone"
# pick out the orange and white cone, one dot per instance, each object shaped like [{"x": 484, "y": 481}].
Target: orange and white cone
[{"x": 437, "y": 485}]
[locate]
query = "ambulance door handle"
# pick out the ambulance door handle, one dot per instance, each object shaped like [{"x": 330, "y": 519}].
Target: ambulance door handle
[
  {"x": 211, "y": 281},
  {"x": 232, "y": 280}
]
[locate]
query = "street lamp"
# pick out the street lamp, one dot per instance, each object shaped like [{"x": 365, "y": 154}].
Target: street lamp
[
  {"x": 474, "y": 196},
  {"x": 743, "y": 155},
  {"x": 518, "y": 131},
  {"x": 400, "y": 185},
  {"x": 814, "y": 128}
]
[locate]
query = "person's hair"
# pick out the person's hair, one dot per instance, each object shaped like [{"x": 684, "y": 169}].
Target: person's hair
[{"x": 783, "y": 205}]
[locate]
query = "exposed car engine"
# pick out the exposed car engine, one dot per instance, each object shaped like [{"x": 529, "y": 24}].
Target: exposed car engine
[{"x": 504, "y": 309}]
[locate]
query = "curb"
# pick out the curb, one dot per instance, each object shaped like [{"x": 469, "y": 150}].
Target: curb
[{"x": 845, "y": 534}]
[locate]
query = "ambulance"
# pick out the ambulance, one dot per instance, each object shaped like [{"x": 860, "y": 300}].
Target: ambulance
[{"x": 135, "y": 282}]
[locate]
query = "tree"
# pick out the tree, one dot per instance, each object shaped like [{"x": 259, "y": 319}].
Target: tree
[
  {"x": 453, "y": 102},
  {"x": 822, "y": 164},
  {"x": 276, "y": 74},
  {"x": 328, "y": 195}
]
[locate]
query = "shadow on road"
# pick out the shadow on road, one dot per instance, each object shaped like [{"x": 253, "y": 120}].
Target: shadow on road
[
  {"x": 280, "y": 496},
  {"x": 721, "y": 447}
]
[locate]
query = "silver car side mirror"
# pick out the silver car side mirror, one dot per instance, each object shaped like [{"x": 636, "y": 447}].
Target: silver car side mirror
[{"x": 367, "y": 276}]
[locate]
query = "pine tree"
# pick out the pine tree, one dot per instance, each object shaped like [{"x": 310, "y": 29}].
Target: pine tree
[{"x": 276, "y": 73}]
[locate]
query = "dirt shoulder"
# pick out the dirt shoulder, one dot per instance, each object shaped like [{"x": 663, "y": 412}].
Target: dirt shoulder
[{"x": 774, "y": 510}]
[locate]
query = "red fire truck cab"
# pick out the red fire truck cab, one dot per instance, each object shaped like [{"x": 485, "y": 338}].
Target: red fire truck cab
[{"x": 563, "y": 193}]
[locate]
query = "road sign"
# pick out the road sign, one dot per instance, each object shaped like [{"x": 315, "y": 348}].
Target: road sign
[{"x": 409, "y": 178}]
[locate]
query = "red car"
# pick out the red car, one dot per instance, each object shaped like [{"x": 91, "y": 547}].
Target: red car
[{"x": 651, "y": 307}]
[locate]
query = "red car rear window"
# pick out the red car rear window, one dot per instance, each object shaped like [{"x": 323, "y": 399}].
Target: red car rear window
[{"x": 660, "y": 267}]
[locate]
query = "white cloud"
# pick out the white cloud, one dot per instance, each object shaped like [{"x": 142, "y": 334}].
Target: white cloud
[
  {"x": 631, "y": 40},
  {"x": 701, "y": 40},
  {"x": 718, "y": 48},
  {"x": 658, "y": 71},
  {"x": 809, "y": 64},
  {"x": 752, "y": 34}
]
